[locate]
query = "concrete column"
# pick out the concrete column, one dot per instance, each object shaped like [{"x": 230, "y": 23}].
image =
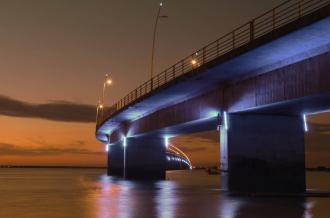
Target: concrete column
[
  {"x": 116, "y": 160},
  {"x": 265, "y": 153},
  {"x": 145, "y": 158},
  {"x": 140, "y": 158}
]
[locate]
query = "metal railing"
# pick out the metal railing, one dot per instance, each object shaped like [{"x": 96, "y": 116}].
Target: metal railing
[{"x": 271, "y": 20}]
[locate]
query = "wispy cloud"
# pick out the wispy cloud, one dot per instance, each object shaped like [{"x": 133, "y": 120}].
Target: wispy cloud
[
  {"x": 317, "y": 127},
  {"x": 55, "y": 110},
  {"x": 192, "y": 149},
  {"x": 10, "y": 149}
]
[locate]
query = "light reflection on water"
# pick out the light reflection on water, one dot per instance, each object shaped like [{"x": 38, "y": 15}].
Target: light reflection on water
[
  {"x": 120, "y": 198},
  {"x": 90, "y": 193}
]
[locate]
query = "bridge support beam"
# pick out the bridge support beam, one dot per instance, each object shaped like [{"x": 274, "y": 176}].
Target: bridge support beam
[
  {"x": 264, "y": 153},
  {"x": 116, "y": 160},
  {"x": 139, "y": 158}
]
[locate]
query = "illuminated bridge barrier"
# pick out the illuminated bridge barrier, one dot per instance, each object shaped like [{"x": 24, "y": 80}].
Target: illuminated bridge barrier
[
  {"x": 176, "y": 159},
  {"x": 274, "y": 71}
]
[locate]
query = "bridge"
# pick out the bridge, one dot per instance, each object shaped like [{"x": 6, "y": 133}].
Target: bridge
[
  {"x": 124, "y": 162},
  {"x": 255, "y": 85}
]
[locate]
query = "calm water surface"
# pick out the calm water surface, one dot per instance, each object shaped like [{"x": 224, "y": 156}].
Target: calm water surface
[{"x": 47, "y": 193}]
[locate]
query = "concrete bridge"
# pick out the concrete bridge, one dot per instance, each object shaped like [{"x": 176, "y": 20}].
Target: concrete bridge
[{"x": 255, "y": 84}]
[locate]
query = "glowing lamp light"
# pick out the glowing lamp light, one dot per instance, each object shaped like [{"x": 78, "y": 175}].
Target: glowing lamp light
[
  {"x": 161, "y": 4},
  {"x": 305, "y": 123},
  {"x": 225, "y": 119},
  {"x": 193, "y": 62},
  {"x": 211, "y": 114},
  {"x": 101, "y": 106},
  {"x": 166, "y": 141},
  {"x": 107, "y": 147},
  {"x": 124, "y": 141},
  {"x": 108, "y": 81}
]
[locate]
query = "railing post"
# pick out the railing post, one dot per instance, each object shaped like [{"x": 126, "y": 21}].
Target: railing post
[
  {"x": 233, "y": 33},
  {"x": 157, "y": 80},
  {"x": 251, "y": 30},
  {"x": 273, "y": 18},
  {"x": 165, "y": 76},
  {"x": 203, "y": 55}
]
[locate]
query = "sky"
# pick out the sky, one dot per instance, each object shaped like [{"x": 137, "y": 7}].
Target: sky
[{"x": 54, "y": 55}]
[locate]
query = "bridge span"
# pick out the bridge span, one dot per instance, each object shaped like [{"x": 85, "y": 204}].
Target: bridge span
[{"x": 255, "y": 84}]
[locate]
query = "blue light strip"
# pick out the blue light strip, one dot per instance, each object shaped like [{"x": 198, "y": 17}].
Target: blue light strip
[
  {"x": 225, "y": 119},
  {"x": 305, "y": 123},
  {"x": 124, "y": 141},
  {"x": 166, "y": 141}
]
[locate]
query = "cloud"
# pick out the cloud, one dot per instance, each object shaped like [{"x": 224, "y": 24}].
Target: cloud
[
  {"x": 317, "y": 141},
  {"x": 55, "y": 110},
  {"x": 10, "y": 149},
  {"x": 192, "y": 149},
  {"x": 317, "y": 127}
]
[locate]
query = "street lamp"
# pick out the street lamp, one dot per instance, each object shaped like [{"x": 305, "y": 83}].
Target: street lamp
[
  {"x": 99, "y": 107},
  {"x": 193, "y": 62},
  {"x": 154, "y": 40},
  {"x": 107, "y": 82}
]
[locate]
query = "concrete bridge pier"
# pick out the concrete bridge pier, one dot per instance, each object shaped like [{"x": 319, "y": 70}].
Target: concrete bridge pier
[
  {"x": 263, "y": 153},
  {"x": 116, "y": 160},
  {"x": 138, "y": 158}
]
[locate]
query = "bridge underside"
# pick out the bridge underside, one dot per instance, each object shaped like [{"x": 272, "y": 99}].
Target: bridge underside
[
  {"x": 293, "y": 90},
  {"x": 264, "y": 88},
  {"x": 296, "y": 42},
  {"x": 143, "y": 158},
  {"x": 263, "y": 143}
]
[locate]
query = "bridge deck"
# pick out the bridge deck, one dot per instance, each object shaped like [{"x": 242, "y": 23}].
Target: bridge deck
[{"x": 291, "y": 42}]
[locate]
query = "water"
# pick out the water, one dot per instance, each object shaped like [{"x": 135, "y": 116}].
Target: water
[{"x": 61, "y": 193}]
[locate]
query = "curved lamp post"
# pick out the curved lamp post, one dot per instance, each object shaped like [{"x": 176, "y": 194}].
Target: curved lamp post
[
  {"x": 98, "y": 107},
  {"x": 107, "y": 81},
  {"x": 154, "y": 41}
]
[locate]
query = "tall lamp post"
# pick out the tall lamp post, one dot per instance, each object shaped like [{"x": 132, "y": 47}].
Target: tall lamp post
[
  {"x": 107, "y": 81},
  {"x": 154, "y": 41},
  {"x": 98, "y": 107}
]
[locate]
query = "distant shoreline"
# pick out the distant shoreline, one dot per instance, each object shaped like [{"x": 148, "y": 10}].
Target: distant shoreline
[
  {"x": 319, "y": 169},
  {"x": 60, "y": 167}
]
